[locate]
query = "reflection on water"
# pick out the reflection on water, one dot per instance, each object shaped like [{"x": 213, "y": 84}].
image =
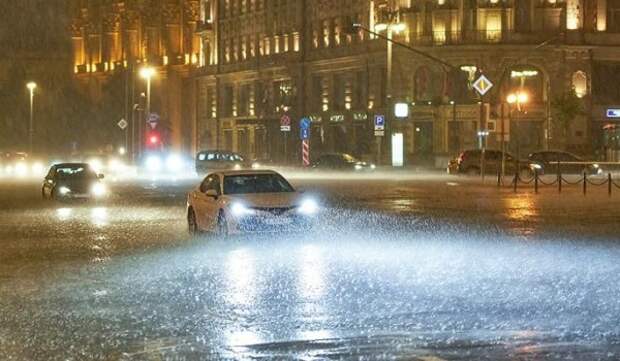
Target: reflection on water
[
  {"x": 523, "y": 210},
  {"x": 99, "y": 216},
  {"x": 63, "y": 214},
  {"x": 312, "y": 272},
  {"x": 240, "y": 274}
]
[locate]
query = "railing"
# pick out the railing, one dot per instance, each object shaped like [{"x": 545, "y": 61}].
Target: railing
[
  {"x": 536, "y": 180},
  {"x": 479, "y": 37}
]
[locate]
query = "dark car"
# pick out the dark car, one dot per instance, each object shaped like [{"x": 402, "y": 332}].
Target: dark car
[
  {"x": 469, "y": 162},
  {"x": 546, "y": 162},
  {"x": 341, "y": 162},
  {"x": 72, "y": 180},
  {"x": 213, "y": 160}
]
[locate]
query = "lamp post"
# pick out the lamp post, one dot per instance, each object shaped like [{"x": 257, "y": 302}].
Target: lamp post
[
  {"x": 390, "y": 28},
  {"x": 519, "y": 98},
  {"x": 31, "y": 87},
  {"x": 146, "y": 73}
]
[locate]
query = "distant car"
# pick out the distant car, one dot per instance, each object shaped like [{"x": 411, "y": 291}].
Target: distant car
[
  {"x": 469, "y": 162},
  {"x": 230, "y": 202},
  {"x": 20, "y": 164},
  {"x": 72, "y": 180},
  {"x": 213, "y": 160},
  {"x": 546, "y": 162},
  {"x": 341, "y": 162}
]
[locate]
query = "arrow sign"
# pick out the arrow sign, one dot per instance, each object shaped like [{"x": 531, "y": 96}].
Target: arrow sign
[
  {"x": 482, "y": 85},
  {"x": 305, "y": 123},
  {"x": 122, "y": 124},
  {"x": 304, "y": 133}
]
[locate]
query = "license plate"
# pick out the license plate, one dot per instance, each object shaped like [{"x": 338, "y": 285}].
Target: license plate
[{"x": 277, "y": 221}]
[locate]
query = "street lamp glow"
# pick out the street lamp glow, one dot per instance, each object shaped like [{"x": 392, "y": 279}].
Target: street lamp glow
[
  {"x": 522, "y": 98},
  {"x": 511, "y": 98},
  {"x": 381, "y": 27},
  {"x": 31, "y": 86},
  {"x": 397, "y": 28},
  {"x": 147, "y": 72}
]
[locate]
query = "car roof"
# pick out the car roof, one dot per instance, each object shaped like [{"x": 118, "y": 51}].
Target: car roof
[
  {"x": 71, "y": 165},
  {"x": 245, "y": 172}
]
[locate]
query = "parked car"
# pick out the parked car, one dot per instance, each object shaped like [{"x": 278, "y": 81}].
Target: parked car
[
  {"x": 72, "y": 180},
  {"x": 469, "y": 162},
  {"x": 230, "y": 202},
  {"x": 341, "y": 162},
  {"x": 546, "y": 162},
  {"x": 212, "y": 160}
]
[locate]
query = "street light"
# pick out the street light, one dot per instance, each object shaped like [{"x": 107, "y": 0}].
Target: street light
[
  {"x": 146, "y": 73},
  {"x": 519, "y": 98},
  {"x": 31, "y": 87}
]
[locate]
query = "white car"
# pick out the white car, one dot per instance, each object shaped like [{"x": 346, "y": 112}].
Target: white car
[{"x": 232, "y": 202}]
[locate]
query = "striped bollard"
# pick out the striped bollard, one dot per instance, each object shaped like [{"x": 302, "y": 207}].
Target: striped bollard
[{"x": 305, "y": 152}]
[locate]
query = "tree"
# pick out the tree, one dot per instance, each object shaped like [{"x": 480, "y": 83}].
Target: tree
[{"x": 566, "y": 107}]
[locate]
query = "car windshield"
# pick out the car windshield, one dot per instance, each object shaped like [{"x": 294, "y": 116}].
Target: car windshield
[
  {"x": 75, "y": 172},
  {"x": 256, "y": 183}
]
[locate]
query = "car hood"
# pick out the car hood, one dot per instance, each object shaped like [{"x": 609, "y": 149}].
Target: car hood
[{"x": 267, "y": 200}]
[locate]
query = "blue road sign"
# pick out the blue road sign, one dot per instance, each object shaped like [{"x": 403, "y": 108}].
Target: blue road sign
[
  {"x": 379, "y": 122},
  {"x": 305, "y": 123},
  {"x": 304, "y": 133}
]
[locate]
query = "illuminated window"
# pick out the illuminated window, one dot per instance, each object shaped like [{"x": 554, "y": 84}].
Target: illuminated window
[
  {"x": 326, "y": 33},
  {"x": 494, "y": 26},
  {"x": 296, "y": 42},
  {"x": 580, "y": 83},
  {"x": 276, "y": 44},
  {"x": 572, "y": 14}
]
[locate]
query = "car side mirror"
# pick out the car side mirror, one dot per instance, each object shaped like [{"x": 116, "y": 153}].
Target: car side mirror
[
  {"x": 212, "y": 193},
  {"x": 100, "y": 176}
]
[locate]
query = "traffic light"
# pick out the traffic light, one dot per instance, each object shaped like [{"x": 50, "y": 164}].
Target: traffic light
[{"x": 153, "y": 140}]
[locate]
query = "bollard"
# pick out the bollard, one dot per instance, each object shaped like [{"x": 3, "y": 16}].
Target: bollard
[
  {"x": 585, "y": 183},
  {"x": 514, "y": 183},
  {"x": 535, "y": 180},
  {"x": 609, "y": 184},
  {"x": 499, "y": 178}
]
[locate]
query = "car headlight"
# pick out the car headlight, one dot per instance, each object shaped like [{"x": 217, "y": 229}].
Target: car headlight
[
  {"x": 96, "y": 164},
  {"x": 99, "y": 190},
  {"x": 240, "y": 210},
  {"x": 21, "y": 169},
  {"x": 255, "y": 165},
  {"x": 37, "y": 168},
  {"x": 308, "y": 207},
  {"x": 536, "y": 166},
  {"x": 153, "y": 164},
  {"x": 237, "y": 166},
  {"x": 174, "y": 163},
  {"x": 358, "y": 167},
  {"x": 64, "y": 190},
  {"x": 595, "y": 166},
  {"x": 372, "y": 166}
]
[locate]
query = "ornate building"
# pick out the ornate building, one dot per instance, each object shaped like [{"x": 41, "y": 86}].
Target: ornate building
[
  {"x": 113, "y": 39},
  {"x": 263, "y": 59}
]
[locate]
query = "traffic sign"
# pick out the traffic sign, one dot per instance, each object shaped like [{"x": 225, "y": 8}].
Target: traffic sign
[
  {"x": 379, "y": 122},
  {"x": 482, "y": 85},
  {"x": 153, "y": 120},
  {"x": 285, "y": 123},
  {"x": 305, "y": 123},
  {"x": 122, "y": 124},
  {"x": 304, "y": 133}
]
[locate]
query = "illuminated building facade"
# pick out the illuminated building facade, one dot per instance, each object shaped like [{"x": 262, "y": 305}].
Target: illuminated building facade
[
  {"x": 113, "y": 39},
  {"x": 262, "y": 59}
]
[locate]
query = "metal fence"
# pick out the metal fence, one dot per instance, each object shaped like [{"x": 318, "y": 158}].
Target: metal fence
[{"x": 559, "y": 180}]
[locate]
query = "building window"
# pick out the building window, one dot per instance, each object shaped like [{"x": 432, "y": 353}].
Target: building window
[
  {"x": 326, "y": 33},
  {"x": 580, "y": 83}
]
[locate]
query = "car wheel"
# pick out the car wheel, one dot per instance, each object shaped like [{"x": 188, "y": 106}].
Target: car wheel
[
  {"x": 53, "y": 195},
  {"x": 43, "y": 194},
  {"x": 221, "y": 227},
  {"x": 192, "y": 225}
]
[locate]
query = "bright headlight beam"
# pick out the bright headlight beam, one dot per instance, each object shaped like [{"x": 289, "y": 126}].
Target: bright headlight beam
[
  {"x": 239, "y": 210},
  {"x": 99, "y": 190},
  {"x": 308, "y": 207}
]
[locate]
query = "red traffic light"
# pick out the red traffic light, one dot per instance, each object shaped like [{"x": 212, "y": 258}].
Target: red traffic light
[{"x": 154, "y": 139}]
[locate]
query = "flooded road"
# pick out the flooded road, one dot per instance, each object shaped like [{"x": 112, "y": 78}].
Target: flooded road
[{"x": 399, "y": 267}]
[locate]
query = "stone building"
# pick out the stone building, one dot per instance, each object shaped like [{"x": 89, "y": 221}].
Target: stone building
[
  {"x": 262, "y": 59},
  {"x": 113, "y": 39}
]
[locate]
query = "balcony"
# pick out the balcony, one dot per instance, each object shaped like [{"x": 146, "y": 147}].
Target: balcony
[{"x": 438, "y": 38}]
